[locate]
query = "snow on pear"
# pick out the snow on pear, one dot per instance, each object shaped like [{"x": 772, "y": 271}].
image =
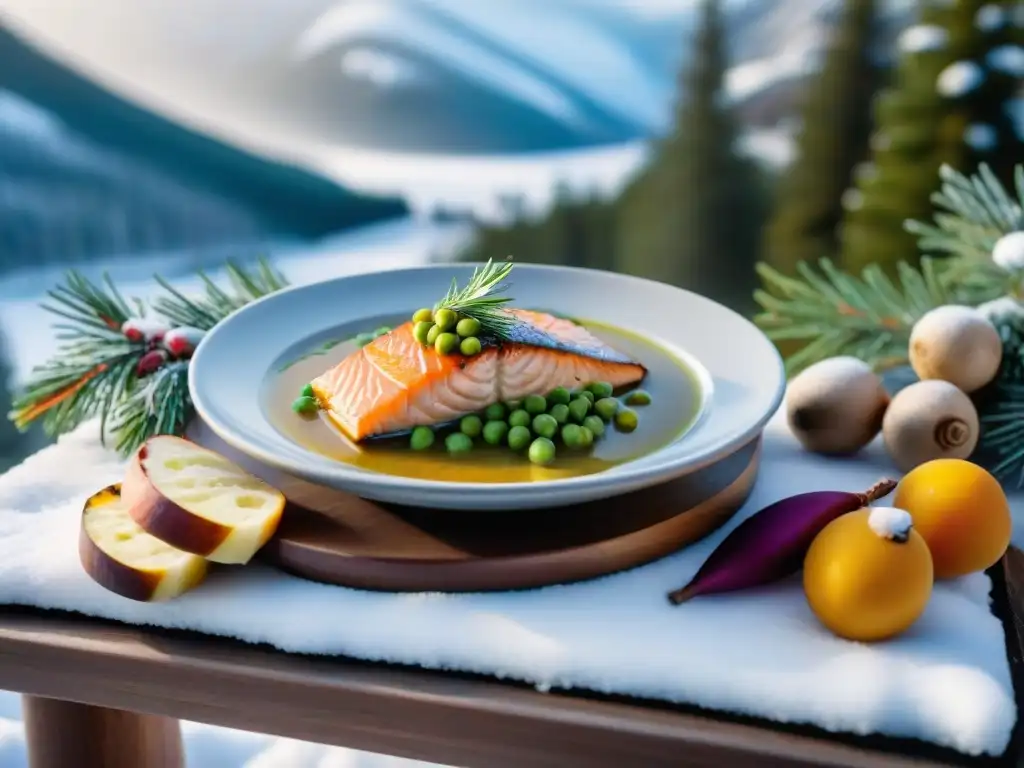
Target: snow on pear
[
  {"x": 959, "y": 79},
  {"x": 890, "y": 523},
  {"x": 1008, "y": 252}
]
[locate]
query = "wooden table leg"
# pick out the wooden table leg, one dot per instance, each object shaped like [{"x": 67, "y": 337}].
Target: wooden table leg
[{"x": 61, "y": 734}]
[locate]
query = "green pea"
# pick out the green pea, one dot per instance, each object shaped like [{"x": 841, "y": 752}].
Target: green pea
[
  {"x": 606, "y": 408},
  {"x": 432, "y": 334},
  {"x": 421, "y": 331},
  {"x": 305, "y": 405},
  {"x": 494, "y": 412},
  {"x": 471, "y": 426},
  {"x": 638, "y": 397},
  {"x": 425, "y": 315},
  {"x": 513, "y": 405},
  {"x": 542, "y": 451},
  {"x": 519, "y": 438},
  {"x": 571, "y": 435},
  {"x": 467, "y": 326},
  {"x": 626, "y": 420},
  {"x": 446, "y": 343},
  {"x": 470, "y": 346},
  {"x": 544, "y": 424},
  {"x": 560, "y": 413},
  {"x": 363, "y": 339},
  {"x": 381, "y": 331},
  {"x": 578, "y": 409},
  {"x": 519, "y": 418},
  {"x": 307, "y": 391},
  {"x": 457, "y": 443},
  {"x": 559, "y": 396},
  {"x": 600, "y": 389},
  {"x": 421, "y": 438},
  {"x": 595, "y": 425},
  {"x": 445, "y": 319},
  {"x": 586, "y": 437},
  {"x": 535, "y": 404},
  {"x": 495, "y": 432},
  {"x": 587, "y": 395}
]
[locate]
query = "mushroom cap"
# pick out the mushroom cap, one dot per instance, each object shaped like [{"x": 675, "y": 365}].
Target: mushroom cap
[
  {"x": 930, "y": 419},
  {"x": 956, "y": 344},
  {"x": 836, "y": 406}
]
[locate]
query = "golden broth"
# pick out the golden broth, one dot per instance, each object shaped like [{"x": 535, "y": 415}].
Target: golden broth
[{"x": 675, "y": 402}]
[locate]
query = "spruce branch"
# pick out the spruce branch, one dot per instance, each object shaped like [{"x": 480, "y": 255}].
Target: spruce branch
[
  {"x": 973, "y": 213},
  {"x": 869, "y": 317}
]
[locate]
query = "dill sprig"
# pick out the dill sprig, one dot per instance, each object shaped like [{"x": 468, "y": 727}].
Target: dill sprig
[{"x": 481, "y": 299}]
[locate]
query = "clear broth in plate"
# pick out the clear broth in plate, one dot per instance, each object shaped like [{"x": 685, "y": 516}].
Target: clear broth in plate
[{"x": 675, "y": 405}]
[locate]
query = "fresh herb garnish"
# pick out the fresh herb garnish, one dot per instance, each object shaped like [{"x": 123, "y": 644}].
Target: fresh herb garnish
[{"x": 481, "y": 299}]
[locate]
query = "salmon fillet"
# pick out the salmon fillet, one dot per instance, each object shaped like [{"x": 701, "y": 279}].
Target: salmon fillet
[{"x": 395, "y": 383}]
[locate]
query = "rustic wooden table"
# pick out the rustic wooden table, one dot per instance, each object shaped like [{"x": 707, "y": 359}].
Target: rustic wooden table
[{"x": 103, "y": 695}]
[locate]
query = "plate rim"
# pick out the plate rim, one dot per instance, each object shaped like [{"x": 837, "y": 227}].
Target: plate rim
[{"x": 648, "y": 472}]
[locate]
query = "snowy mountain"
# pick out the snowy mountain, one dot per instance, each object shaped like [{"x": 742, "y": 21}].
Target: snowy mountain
[
  {"x": 414, "y": 75},
  {"x": 90, "y": 175},
  {"x": 65, "y": 200}
]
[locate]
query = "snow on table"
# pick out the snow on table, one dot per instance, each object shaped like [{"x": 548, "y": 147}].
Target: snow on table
[{"x": 946, "y": 681}]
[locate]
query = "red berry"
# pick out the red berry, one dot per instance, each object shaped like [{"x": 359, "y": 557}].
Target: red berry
[
  {"x": 182, "y": 342},
  {"x": 137, "y": 329},
  {"x": 150, "y": 362}
]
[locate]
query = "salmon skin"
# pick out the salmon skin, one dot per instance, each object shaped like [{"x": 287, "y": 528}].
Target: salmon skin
[{"x": 394, "y": 383}]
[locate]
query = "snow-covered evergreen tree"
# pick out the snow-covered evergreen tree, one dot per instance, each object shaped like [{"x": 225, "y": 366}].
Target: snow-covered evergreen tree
[
  {"x": 833, "y": 139},
  {"x": 959, "y": 70},
  {"x": 694, "y": 217}
]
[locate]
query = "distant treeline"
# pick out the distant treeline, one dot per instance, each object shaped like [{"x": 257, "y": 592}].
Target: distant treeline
[{"x": 872, "y": 135}]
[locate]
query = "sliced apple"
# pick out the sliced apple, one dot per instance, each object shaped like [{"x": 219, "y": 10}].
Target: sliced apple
[
  {"x": 199, "y": 501},
  {"x": 120, "y": 556}
]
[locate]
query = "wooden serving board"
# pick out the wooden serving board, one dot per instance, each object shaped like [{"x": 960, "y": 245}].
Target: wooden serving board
[{"x": 331, "y": 536}]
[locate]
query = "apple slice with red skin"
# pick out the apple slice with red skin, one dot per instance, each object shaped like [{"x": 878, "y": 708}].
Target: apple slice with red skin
[
  {"x": 200, "y": 502},
  {"x": 121, "y": 557}
]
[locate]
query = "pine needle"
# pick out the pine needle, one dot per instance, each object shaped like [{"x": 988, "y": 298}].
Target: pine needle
[{"x": 869, "y": 317}]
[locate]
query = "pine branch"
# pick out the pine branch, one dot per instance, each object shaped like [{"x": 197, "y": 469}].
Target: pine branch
[
  {"x": 974, "y": 212},
  {"x": 160, "y": 405},
  {"x": 205, "y": 311},
  {"x": 93, "y": 366},
  {"x": 98, "y": 370},
  {"x": 838, "y": 314}
]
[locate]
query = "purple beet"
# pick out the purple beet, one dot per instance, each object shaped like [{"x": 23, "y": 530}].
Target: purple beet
[{"x": 771, "y": 544}]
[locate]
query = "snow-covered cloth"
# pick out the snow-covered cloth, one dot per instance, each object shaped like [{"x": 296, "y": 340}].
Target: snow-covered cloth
[{"x": 759, "y": 653}]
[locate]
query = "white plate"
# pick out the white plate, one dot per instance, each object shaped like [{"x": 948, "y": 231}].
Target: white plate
[{"x": 741, "y": 372}]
